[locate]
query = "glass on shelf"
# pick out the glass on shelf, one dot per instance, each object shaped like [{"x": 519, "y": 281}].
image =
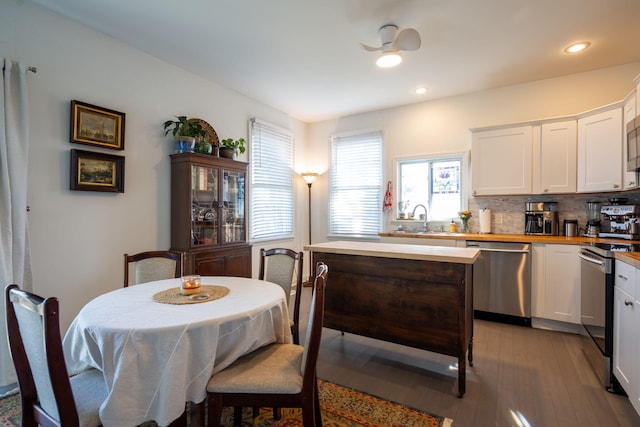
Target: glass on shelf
[{"x": 204, "y": 204}]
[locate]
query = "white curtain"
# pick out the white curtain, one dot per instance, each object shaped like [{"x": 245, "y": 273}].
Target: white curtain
[{"x": 15, "y": 263}]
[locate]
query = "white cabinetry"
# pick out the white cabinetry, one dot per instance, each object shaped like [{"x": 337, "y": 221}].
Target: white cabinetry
[
  {"x": 501, "y": 161},
  {"x": 554, "y": 157},
  {"x": 629, "y": 179},
  {"x": 556, "y": 283},
  {"x": 626, "y": 339},
  {"x": 600, "y": 151}
]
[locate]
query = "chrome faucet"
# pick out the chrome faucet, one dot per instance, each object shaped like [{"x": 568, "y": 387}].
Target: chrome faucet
[{"x": 425, "y": 215}]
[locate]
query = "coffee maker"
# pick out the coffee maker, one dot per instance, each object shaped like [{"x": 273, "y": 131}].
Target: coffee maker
[
  {"x": 622, "y": 220},
  {"x": 541, "y": 218}
]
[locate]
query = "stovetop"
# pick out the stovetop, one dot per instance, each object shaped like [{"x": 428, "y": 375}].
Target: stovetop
[{"x": 619, "y": 235}]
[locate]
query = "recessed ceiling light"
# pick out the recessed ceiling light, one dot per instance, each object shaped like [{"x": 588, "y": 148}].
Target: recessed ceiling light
[
  {"x": 421, "y": 90},
  {"x": 577, "y": 47},
  {"x": 389, "y": 59}
]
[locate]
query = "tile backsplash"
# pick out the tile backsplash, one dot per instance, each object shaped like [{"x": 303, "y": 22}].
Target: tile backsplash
[{"x": 507, "y": 212}]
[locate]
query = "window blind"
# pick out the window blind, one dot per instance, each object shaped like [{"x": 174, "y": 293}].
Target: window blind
[
  {"x": 355, "y": 200},
  {"x": 272, "y": 176}
]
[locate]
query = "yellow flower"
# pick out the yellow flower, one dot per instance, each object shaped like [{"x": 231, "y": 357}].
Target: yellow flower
[{"x": 464, "y": 215}]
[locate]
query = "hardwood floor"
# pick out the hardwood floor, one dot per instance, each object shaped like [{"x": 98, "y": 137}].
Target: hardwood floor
[{"x": 520, "y": 377}]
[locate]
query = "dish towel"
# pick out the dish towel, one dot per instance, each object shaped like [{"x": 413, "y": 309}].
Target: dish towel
[{"x": 388, "y": 199}]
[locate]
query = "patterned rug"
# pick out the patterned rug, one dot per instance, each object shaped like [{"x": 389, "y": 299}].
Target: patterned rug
[{"x": 341, "y": 407}]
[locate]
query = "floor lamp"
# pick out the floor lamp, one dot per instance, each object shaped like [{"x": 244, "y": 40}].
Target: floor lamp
[{"x": 309, "y": 177}]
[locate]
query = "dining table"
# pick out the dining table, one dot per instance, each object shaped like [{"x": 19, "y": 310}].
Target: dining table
[{"x": 157, "y": 348}]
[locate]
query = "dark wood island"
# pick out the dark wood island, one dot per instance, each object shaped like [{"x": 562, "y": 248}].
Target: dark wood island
[{"x": 413, "y": 295}]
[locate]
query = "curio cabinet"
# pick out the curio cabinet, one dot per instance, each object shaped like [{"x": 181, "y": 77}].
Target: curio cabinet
[{"x": 208, "y": 214}]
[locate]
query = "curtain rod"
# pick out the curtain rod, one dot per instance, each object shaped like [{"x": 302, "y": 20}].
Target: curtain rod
[{"x": 34, "y": 70}]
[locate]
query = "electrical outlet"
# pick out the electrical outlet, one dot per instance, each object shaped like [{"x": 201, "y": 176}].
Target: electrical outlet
[{"x": 498, "y": 218}]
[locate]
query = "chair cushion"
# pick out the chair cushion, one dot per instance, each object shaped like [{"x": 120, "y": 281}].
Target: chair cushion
[
  {"x": 89, "y": 391},
  {"x": 271, "y": 369}
]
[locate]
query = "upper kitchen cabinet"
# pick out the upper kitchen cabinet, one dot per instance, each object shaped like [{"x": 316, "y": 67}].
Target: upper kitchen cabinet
[
  {"x": 501, "y": 161},
  {"x": 629, "y": 109},
  {"x": 600, "y": 140},
  {"x": 554, "y": 157}
]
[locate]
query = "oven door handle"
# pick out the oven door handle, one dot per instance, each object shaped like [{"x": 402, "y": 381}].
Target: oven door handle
[{"x": 598, "y": 261}]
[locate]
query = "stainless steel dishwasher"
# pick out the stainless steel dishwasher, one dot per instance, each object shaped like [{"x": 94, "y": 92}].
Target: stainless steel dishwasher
[{"x": 502, "y": 282}]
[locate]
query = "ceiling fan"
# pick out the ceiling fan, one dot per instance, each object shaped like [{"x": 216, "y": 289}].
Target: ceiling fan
[{"x": 394, "y": 41}]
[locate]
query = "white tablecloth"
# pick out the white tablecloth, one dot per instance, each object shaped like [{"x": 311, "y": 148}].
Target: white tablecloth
[{"x": 155, "y": 356}]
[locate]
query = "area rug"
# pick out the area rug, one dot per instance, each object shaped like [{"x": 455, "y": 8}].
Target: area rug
[{"x": 341, "y": 407}]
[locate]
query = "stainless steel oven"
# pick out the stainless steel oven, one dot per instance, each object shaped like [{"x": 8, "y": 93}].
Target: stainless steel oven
[{"x": 596, "y": 308}]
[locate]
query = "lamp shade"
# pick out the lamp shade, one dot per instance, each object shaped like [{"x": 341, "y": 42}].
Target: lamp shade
[{"x": 309, "y": 177}]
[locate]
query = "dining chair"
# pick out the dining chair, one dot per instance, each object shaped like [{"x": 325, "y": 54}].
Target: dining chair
[
  {"x": 278, "y": 265},
  {"x": 153, "y": 265},
  {"x": 278, "y": 375},
  {"x": 48, "y": 397}
]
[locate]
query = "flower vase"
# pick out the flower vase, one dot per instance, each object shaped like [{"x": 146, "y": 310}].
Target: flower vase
[{"x": 465, "y": 225}]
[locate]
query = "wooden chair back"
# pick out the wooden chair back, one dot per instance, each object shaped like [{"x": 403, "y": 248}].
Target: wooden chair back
[
  {"x": 34, "y": 329},
  {"x": 153, "y": 265},
  {"x": 282, "y": 266}
]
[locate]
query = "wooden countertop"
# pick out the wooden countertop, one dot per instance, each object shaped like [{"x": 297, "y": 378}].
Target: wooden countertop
[
  {"x": 515, "y": 238},
  {"x": 632, "y": 258},
  {"x": 395, "y": 250}
]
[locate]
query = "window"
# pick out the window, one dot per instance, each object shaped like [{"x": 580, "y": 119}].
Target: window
[
  {"x": 435, "y": 182},
  {"x": 271, "y": 185},
  {"x": 355, "y": 185}
]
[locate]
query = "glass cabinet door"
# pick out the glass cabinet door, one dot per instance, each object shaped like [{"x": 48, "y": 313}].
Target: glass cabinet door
[
  {"x": 204, "y": 205},
  {"x": 233, "y": 207}
]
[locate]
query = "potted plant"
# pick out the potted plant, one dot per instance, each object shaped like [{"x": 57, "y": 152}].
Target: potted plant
[
  {"x": 185, "y": 133},
  {"x": 230, "y": 147}
]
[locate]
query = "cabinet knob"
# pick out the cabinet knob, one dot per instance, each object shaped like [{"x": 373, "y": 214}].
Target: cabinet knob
[
  {"x": 631, "y": 183},
  {"x": 615, "y": 186},
  {"x": 628, "y": 303},
  {"x": 620, "y": 276},
  {"x": 546, "y": 190}
]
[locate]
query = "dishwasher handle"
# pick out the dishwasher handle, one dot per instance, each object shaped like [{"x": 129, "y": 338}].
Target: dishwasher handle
[
  {"x": 590, "y": 258},
  {"x": 508, "y": 251},
  {"x": 502, "y": 250}
]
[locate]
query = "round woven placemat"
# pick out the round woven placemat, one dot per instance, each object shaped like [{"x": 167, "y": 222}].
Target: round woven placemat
[{"x": 207, "y": 293}]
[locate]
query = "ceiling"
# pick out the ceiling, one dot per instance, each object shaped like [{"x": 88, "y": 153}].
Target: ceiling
[{"x": 304, "y": 56}]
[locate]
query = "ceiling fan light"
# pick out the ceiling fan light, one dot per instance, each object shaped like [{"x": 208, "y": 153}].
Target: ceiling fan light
[{"x": 389, "y": 59}]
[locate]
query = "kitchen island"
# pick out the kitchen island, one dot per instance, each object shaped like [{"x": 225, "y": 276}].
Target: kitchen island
[{"x": 418, "y": 296}]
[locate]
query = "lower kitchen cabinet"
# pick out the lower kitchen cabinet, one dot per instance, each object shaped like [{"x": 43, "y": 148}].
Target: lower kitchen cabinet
[
  {"x": 556, "y": 282},
  {"x": 234, "y": 261},
  {"x": 626, "y": 339}
]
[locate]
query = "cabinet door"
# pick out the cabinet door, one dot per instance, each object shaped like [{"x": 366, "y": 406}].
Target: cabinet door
[
  {"x": 238, "y": 264},
  {"x": 233, "y": 202},
  {"x": 501, "y": 161},
  {"x": 557, "y": 150},
  {"x": 629, "y": 179},
  {"x": 600, "y": 151},
  {"x": 204, "y": 205},
  {"x": 625, "y": 342},
  {"x": 562, "y": 283}
]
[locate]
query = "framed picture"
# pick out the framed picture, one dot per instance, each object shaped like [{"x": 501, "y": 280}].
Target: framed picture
[
  {"x": 92, "y": 171},
  {"x": 97, "y": 126}
]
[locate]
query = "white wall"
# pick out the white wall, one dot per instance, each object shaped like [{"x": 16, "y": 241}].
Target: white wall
[
  {"x": 78, "y": 238},
  {"x": 443, "y": 125}
]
